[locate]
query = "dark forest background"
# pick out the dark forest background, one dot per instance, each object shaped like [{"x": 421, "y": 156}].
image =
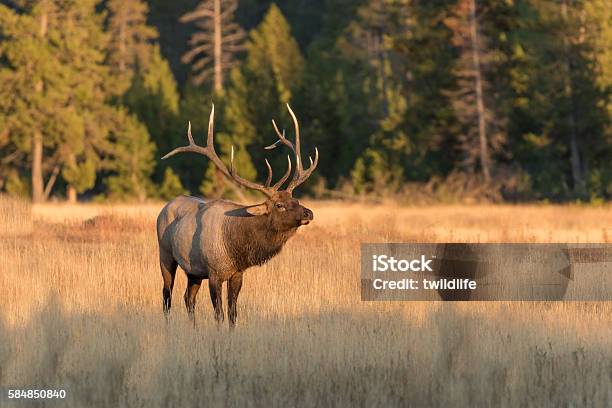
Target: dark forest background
[{"x": 418, "y": 100}]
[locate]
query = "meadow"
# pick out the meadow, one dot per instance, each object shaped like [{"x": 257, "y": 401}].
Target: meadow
[{"x": 81, "y": 309}]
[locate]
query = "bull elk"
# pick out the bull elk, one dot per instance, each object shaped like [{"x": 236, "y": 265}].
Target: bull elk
[{"x": 219, "y": 239}]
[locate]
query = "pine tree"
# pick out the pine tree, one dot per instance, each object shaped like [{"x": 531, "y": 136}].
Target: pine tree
[
  {"x": 598, "y": 33},
  {"x": 564, "y": 138},
  {"x": 372, "y": 39},
  {"x": 481, "y": 133},
  {"x": 154, "y": 99},
  {"x": 145, "y": 83},
  {"x": 82, "y": 47},
  {"x": 59, "y": 89},
  {"x": 215, "y": 44},
  {"x": 132, "y": 158},
  {"x": 29, "y": 62},
  {"x": 131, "y": 37},
  {"x": 270, "y": 75},
  {"x": 569, "y": 92},
  {"x": 274, "y": 60},
  {"x": 56, "y": 84}
]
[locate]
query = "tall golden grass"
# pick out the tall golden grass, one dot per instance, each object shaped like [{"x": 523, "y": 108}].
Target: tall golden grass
[{"x": 81, "y": 309}]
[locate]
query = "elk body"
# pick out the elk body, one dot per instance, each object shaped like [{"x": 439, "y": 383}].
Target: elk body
[{"x": 219, "y": 239}]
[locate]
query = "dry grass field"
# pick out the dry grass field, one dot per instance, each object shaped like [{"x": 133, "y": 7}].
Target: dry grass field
[{"x": 81, "y": 308}]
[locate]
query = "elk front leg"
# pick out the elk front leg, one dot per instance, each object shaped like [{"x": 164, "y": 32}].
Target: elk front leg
[
  {"x": 215, "y": 287},
  {"x": 193, "y": 285},
  {"x": 233, "y": 289}
]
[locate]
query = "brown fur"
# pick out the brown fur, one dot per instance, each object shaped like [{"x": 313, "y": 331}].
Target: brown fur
[{"x": 253, "y": 241}]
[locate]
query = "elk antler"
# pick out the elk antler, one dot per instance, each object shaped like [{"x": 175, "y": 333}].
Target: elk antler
[
  {"x": 300, "y": 175},
  {"x": 209, "y": 151}
]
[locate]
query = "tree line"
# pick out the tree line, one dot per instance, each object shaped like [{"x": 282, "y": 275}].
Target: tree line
[{"x": 503, "y": 99}]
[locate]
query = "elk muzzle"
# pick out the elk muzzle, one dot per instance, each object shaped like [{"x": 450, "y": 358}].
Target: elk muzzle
[{"x": 307, "y": 216}]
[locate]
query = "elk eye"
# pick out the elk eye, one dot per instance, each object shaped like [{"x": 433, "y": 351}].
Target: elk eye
[{"x": 280, "y": 207}]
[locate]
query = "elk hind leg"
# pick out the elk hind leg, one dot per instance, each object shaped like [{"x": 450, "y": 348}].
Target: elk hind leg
[
  {"x": 168, "y": 269},
  {"x": 193, "y": 286}
]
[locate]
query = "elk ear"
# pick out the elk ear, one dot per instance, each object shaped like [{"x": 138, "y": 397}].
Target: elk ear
[{"x": 261, "y": 209}]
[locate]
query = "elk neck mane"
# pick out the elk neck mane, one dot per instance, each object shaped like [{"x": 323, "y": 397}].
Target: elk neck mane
[{"x": 251, "y": 240}]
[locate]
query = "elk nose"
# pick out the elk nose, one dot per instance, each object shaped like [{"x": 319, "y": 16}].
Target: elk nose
[{"x": 307, "y": 215}]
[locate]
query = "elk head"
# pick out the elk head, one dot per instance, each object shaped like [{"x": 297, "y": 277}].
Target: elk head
[{"x": 283, "y": 211}]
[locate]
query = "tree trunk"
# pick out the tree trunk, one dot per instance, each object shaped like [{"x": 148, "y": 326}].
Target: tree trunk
[
  {"x": 217, "y": 47},
  {"x": 37, "y": 136},
  {"x": 37, "y": 175},
  {"x": 482, "y": 126},
  {"x": 71, "y": 194},
  {"x": 51, "y": 181},
  {"x": 577, "y": 176}
]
